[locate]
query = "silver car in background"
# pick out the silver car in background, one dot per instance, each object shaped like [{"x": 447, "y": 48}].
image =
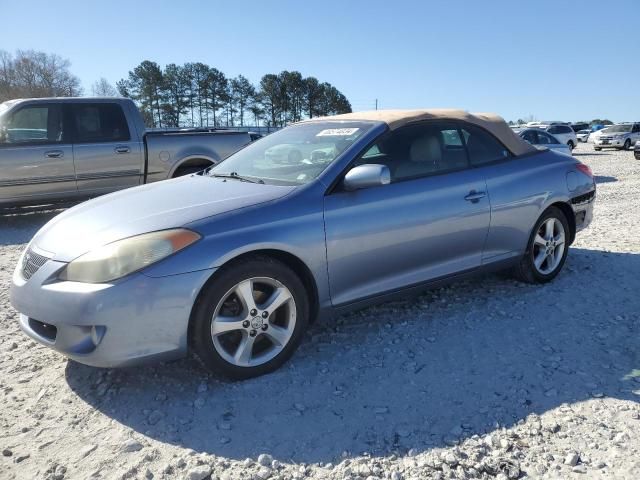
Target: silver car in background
[
  {"x": 622, "y": 136},
  {"x": 583, "y": 135},
  {"x": 236, "y": 263},
  {"x": 541, "y": 139}
]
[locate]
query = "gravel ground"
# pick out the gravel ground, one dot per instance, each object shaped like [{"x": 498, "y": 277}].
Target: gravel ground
[{"x": 488, "y": 378}]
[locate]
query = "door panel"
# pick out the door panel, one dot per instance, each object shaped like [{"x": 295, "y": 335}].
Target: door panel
[
  {"x": 393, "y": 236},
  {"x": 36, "y": 162},
  {"x": 106, "y": 157},
  {"x": 105, "y": 167}
]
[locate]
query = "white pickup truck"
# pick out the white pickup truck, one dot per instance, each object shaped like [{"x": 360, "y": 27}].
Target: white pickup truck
[{"x": 62, "y": 149}]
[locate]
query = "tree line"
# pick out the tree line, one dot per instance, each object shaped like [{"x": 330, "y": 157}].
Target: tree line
[
  {"x": 198, "y": 95},
  {"x": 28, "y": 74},
  {"x": 189, "y": 95}
]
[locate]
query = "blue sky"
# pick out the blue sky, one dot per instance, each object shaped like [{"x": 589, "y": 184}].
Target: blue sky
[{"x": 555, "y": 60}]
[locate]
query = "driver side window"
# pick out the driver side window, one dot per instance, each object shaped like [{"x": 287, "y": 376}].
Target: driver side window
[
  {"x": 34, "y": 125},
  {"x": 419, "y": 150}
]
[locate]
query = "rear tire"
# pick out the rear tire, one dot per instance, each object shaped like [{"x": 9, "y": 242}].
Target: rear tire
[
  {"x": 236, "y": 333},
  {"x": 547, "y": 248}
]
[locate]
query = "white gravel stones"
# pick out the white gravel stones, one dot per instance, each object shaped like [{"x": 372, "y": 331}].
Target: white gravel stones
[
  {"x": 571, "y": 459},
  {"x": 198, "y": 473},
  {"x": 483, "y": 379},
  {"x": 265, "y": 459},
  {"x": 131, "y": 445}
]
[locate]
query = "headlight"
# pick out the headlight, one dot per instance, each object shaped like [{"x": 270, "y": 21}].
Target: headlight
[
  {"x": 618, "y": 137},
  {"x": 117, "y": 259}
]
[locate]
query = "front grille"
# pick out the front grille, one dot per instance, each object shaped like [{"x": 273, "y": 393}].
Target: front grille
[
  {"x": 31, "y": 263},
  {"x": 606, "y": 138}
]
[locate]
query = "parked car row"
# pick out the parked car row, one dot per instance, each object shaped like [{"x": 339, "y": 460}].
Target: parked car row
[{"x": 622, "y": 136}]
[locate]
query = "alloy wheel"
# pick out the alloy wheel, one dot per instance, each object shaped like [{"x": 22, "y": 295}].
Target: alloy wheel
[
  {"x": 548, "y": 246},
  {"x": 253, "y": 322}
]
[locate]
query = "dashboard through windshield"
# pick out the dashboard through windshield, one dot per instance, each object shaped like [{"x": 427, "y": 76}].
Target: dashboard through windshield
[{"x": 294, "y": 155}]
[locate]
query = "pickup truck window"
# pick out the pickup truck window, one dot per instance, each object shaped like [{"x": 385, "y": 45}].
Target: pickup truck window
[
  {"x": 100, "y": 122},
  {"x": 37, "y": 124}
]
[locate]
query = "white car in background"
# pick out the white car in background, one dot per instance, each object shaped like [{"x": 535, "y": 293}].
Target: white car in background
[
  {"x": 564, "y": 133},
  {"x": 561, "y": 130},
  {"x": 583, "y": 135},
  {"x": 622, "y": 136}
]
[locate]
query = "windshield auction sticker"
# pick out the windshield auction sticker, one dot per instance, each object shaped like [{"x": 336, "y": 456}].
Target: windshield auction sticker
[{"x": 337, "y": 132}]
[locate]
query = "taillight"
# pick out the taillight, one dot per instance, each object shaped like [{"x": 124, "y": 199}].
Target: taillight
[{"x": 584, "y": 169}]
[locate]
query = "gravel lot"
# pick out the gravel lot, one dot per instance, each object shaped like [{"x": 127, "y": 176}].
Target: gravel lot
[{"x": 488, "y": 378}]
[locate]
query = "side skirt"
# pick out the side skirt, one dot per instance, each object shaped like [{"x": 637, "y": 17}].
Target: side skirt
[{"x": 417, "y": 289}]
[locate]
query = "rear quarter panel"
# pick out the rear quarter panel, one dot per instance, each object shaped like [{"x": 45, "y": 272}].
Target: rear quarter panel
[
  {"x": 520, "y": 190},
  {"x": 166, "y": 152}
]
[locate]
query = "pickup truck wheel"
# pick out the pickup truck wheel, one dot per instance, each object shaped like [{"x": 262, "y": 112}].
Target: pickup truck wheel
[
  {"x": 547, "y": 249},
  {"x": 250, "y": 318},
  {"x": 627, "y": 144}
]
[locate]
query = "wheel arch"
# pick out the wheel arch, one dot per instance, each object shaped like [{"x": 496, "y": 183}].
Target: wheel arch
[
  {"x": 292, "y": 261},
  {"x": 565, "y": 208},
  {"x": 195, "y": 160}
]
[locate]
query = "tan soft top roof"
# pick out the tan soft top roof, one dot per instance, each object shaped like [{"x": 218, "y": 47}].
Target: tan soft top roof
[{"x": 398, "y": 118}]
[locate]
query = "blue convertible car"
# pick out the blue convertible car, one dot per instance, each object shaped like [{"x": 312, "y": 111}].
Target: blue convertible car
[{"x": 235, "y": 262}]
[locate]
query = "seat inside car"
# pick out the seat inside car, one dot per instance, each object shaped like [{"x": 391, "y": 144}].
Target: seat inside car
[{"x": 424, "y": 157}]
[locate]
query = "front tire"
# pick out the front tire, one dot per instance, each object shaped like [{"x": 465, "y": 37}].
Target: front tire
[
  {"x": 547, "y": 249},
  {"x": 627, "y": 144},
  {"x": 250, "y": 318},
  {"x": 571, "y": 145}
]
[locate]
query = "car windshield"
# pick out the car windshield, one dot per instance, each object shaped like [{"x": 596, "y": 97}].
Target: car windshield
[
  {"x": 294, "y": 155},
  {"x": 619, "y": 129}
]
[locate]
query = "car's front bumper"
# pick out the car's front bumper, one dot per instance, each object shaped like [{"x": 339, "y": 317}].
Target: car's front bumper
[
  {"x": 136, "y": 319},
  {"x": 609, "y": 143}
]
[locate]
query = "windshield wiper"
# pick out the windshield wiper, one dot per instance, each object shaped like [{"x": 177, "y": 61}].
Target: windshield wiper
[{"x": 235, "y": 176}]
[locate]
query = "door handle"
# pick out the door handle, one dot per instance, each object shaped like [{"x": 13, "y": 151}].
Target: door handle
[
  {"x": 474, "y": 197},
  {"x": 122, "y": 149},
  {"x": 54, "y": 154}
]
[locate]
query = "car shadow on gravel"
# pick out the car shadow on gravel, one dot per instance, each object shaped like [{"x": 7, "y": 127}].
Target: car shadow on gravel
[
  {"x": 419, "y": 374},
  {"x": 590, "y": 154}
]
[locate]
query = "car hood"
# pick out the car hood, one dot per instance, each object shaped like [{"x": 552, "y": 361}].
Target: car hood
[{"x": 157, "y": 206}]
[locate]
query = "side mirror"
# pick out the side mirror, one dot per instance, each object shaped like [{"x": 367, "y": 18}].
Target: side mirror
[{"x": 365, "y": 176}]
